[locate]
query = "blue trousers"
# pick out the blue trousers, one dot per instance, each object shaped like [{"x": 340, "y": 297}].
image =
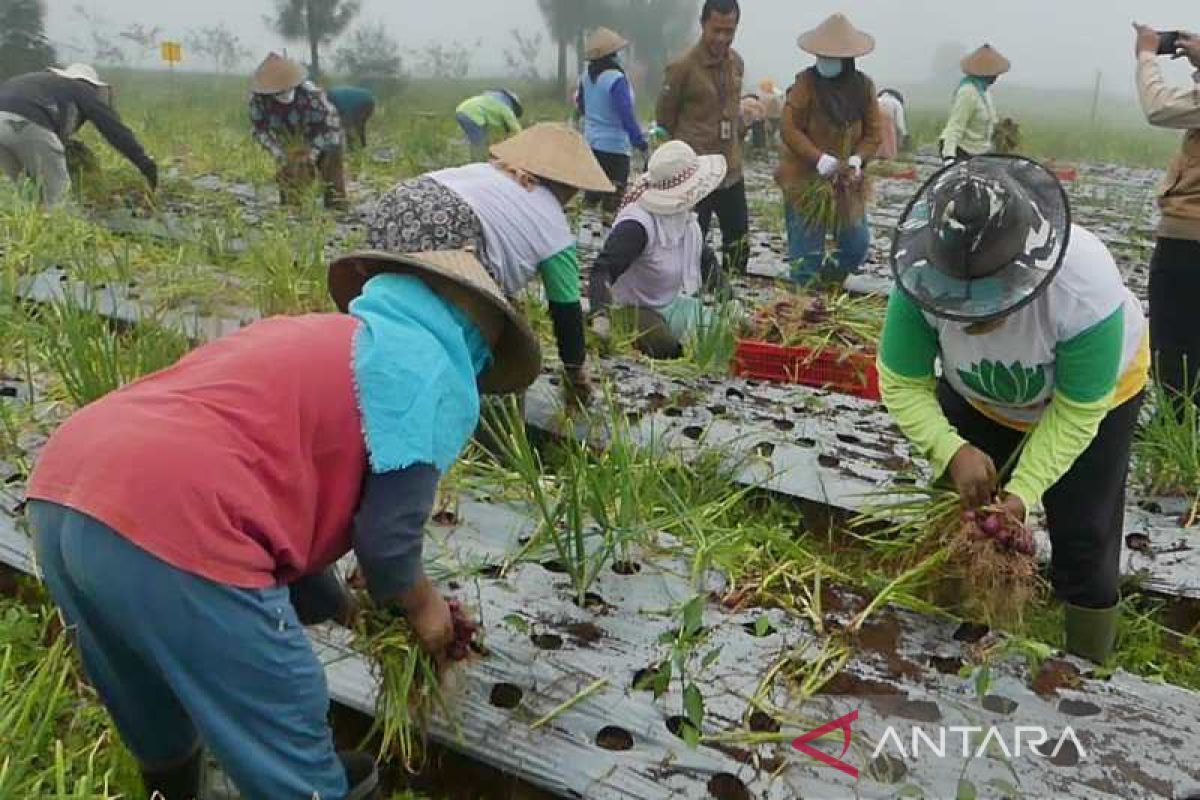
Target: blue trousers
[
  {"x": 477, "y": 137},
  {"x": 179, "y": 660},
  {"x": 806, "y": 248}
]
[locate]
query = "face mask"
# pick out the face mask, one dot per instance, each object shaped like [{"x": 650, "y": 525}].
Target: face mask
[
  {"x": 286, "y": 97},
  {"x": 619, "y": 58},
  {"x": 829, "y": 67}
]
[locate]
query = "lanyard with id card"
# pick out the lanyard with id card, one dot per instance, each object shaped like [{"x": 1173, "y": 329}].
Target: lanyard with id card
[{"x": 726, "y": 128}]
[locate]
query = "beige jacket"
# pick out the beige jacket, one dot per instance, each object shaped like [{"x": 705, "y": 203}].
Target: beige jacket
[
  {"x": 1179, "y": 108},
  {"x": 699, "y": 93}
]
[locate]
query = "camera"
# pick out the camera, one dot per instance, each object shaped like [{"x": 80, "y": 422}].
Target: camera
[{"x": 1168, "y": 43}]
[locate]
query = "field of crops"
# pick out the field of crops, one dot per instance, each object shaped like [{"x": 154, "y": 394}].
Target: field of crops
[{"x": 672, "y": 586}]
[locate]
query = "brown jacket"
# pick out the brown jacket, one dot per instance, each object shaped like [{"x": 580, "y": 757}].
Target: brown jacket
[
  {"x": 698, "y": 94},
  {"x": 1170, "y": 107},
  {"x": 807, "y": 133}
]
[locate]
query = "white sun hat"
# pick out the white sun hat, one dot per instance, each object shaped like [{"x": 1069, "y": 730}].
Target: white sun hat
[
  {"x": 677, "y": 179},
  {"x": 80, "y": 72}
]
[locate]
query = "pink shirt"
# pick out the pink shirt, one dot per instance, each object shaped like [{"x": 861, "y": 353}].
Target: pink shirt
[{"x": 243, "y": 463}]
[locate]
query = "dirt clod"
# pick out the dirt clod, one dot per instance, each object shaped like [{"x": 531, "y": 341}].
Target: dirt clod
[
  {"x": 998, "y": 704},
  {"x": 584, "y": 633},
  {"x": 724, "y": 786},
  {"x": 1054, "y": 675},
  {"x": 1078, "y": 708},
  {"x": 761, "y": 722}
]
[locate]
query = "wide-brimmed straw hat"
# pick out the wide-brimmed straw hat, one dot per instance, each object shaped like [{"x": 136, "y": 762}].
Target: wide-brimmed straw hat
[
  {"x": 555, "y": 152},
  {"x": 604, "y": 42},
  {"x": 277, "y": 74},
  {"x": 982, "y": 238},
  {"x": 677, "y": 179},
  {"x": 79, "y": 72},
  {"x": 516, "y": 356},
  {"x": 836, "y": 37},
  {"x": 986, "y": 62}
]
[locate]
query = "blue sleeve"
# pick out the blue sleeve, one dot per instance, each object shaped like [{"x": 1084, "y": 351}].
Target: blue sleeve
[
  {"x": 623, "y": 101},
  {"x": 389, "y": 528}
]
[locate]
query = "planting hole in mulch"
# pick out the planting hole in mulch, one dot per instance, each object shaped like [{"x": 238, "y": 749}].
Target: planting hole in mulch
[
  {"x": 506, "y": 696},
  {"x": 735, "y": 394},
  {"x": 556, "y": 566},
  {"x": 759, "y": 630},
  {"x": 885, "y": 768},
  {"x": 656, "y": 400},
  {"x": 718, "y": 411},
  {"x": 845, "y": 683},
  {"x": 806, "y": 443},
  {"x": 523, "y": 540},
  {"x": 846, "y": 438},
  {"x": 584, "y": 633},
  {"x": 724, "y": 786},
  {"x": 643, "y": 679},
  {"x": 971, "y": 632},
  {"x": 761, "y": 722},
  {"x": 614, "y": 738},
  {"x": 784, "y": 425},
  {"x": 1055, "y": 675},
  {"x": 1138, "y": 542},
  {"x": 764, "y": 450},
  {"x": 677, "y": 725},
  {"x": 8, "y": 391},
  {"x": 919, "y": 711},
  {"x": 445, "y": 519},
  {"x": 1150, "y": 506},
  {"x": 546, "y": 641},
  {"x": 492, "y": 571},
  {"x": 999, "y": 704},
  {"x": 1078, "y": 708},
  {"x": 1067, "y": 755},
  {"x": 904, "y": 481},
  {"x": 693, "y": 432},
  {"x": 673, "y": 412},
  {"x": 827, "y": 461},
  {"x": 626, "y": 567},
  {"x": 947, "y": 665},
  {"x": 592, "y": 602}
]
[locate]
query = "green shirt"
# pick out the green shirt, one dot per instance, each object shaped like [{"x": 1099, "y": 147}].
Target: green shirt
[{"x": 490, "y": 112}]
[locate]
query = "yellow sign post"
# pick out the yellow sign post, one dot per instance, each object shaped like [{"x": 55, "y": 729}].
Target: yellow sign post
[{"x": 172, "y": 52}]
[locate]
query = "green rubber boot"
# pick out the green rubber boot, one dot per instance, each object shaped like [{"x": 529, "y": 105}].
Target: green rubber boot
[{"x": 1091, "y": 632}]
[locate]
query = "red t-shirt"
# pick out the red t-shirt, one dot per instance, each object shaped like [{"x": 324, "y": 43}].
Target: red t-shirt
[{"x": 243, "y": 463}]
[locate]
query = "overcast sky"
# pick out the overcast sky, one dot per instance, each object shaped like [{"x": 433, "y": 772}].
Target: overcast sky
[{"x": 1060, "y": 43}]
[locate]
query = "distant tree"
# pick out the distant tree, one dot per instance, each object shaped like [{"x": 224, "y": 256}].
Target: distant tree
[
  {"x": 946, "y": 67},
  {"x": 218, "y": 44},
  {"x": 371, "y": 56},
  {"x": 450, "y": 61},
  {"x": 144, "y": 40},
  {"x": 23, "y": 43},
  {"x": 522, "y": 57},
  {"x": 657, "y": 29},
  {"x": 567, "y": 21},
  {"x": 106, "y": 46},
  {"x": 317, "y": 22}
]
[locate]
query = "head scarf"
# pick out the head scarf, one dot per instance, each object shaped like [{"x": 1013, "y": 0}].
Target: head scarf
[
  {"x": 844, "y": 98},
  {"x": 601, "y": 65}
]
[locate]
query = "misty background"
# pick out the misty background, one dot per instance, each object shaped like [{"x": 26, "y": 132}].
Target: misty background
[{"x": 1054, "y": 45}]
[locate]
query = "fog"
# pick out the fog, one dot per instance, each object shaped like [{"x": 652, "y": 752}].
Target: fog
[{"x": 1059, "y": 44}]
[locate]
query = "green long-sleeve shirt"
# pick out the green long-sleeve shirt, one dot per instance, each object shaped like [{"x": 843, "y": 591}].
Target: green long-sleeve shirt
[
  {"x": 972, "y": 120},
  {"x": 491, "y": 112}
]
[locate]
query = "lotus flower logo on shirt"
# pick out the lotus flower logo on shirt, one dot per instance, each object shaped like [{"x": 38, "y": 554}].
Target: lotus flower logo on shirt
[{"x": 1012, "y": 385}]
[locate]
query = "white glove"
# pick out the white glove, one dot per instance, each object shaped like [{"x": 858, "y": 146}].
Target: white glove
[
  {"x": 827, "y": 165},
  {"x": 855, "y": 163}
]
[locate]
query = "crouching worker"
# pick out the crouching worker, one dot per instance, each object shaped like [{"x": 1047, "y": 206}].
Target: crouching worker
[
  {"x": 654, "y": 262},
  {"x": 298, "y": 125},
  {"x": 41, "y": 111},
  {"x": 255, "y": 462},
  {"x": 1044, "y": 353},
  {"x": 489, "y": 118},
  {"x": 355, "y": 106}
]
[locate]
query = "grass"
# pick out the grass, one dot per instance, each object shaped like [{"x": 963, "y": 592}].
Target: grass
[{"x": 1167, "y": 448}]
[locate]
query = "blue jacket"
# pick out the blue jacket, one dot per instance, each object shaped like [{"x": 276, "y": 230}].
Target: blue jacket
[{"x": 609, "y": 122}]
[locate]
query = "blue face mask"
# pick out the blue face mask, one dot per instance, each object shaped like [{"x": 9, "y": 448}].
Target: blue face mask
[
  {"x": 620, "y": 59},
  {"x": 829, "y": 67}
]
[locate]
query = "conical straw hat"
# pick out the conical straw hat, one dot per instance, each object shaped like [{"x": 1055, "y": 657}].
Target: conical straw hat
[
  {"x": 277, "y": 74},
  {"x": 516, "y": 356},
  {"x": 555, "y": 152},
  {"x": 604, "y": 42},
  {"x": 836, "y": 37},
  {"x": 986, "y": 62}
]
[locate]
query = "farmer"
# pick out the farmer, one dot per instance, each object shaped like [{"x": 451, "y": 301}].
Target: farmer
[
  {"x": 41, "y": 111},
  {"x": 1043, "y": 353},
  {"x": 510, "y": 212},
  {"x": 700, "y": 105},
  {"x": 294, "y": 120},
  {"x": 772, "y": 99},
  {"x": 170, "y": 516},
  {"x": 489, "y": 117},
  {"x": 355, "y": 106},
  {"x": 753, "y": 122},
  {"x": 1174, "y": 281},
  {"x": 893, "y": 125},
  {"x": 831, "y": 129},
  {"x": 973, "y": 119},
  {"x": 654, "y": 261},
  {"x": 605, "y": 101}
]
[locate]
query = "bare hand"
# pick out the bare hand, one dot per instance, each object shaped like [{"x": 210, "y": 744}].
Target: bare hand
[
  {"x": 431, "y": 620},
  {"x": 1014, "y": 507},
  {"x": 974, "y": 476},
  {"x": 1147, "y": 39},
  {"x": 1189, "y": 48}
]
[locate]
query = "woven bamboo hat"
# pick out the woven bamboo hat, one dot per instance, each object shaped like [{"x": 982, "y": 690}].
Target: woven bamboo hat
[
  {"x": 986, "y": 62},
  {"x": 604, "y": 42},
  {"x": 555, "y": 152},
  {"x": 516, "y": 356},
  {"x": 277, "y": 74},
  {"x": 836, "y": 37}
]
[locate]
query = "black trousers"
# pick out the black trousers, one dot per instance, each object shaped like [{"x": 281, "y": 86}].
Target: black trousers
[
  {"x": 1085, "y": 510},
  {"x": 1174, "y": 328},
  {"x": 616, "y": 167},
  {"x": 733, "y": 214}
]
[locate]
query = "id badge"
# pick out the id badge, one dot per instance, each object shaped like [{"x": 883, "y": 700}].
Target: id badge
[{"x": 726, "y": 130}]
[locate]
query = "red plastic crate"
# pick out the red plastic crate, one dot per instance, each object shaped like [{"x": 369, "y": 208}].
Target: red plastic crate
[{"x": 848, "y": 373}]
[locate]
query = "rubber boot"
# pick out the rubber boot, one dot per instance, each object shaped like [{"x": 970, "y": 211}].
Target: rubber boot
[
  {"x": 361, "y": 776},
  {"x": 177, "y": 783},
  {"x": 1091, "y": 632}
]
